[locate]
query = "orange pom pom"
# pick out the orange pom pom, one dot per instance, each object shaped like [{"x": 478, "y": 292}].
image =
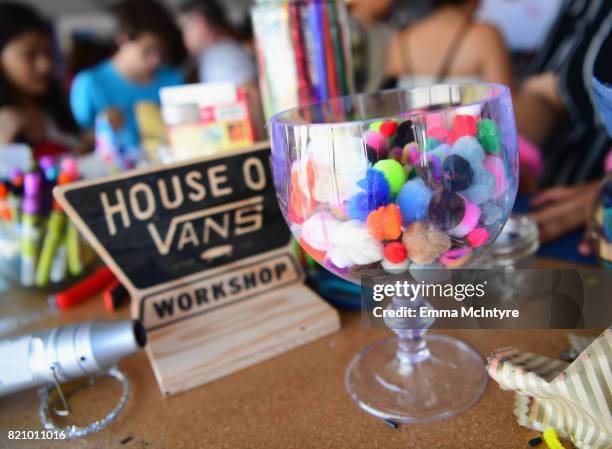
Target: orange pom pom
[{"x": 384, "y": 223}]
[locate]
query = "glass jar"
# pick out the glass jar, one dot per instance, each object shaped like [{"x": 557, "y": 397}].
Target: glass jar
[
  {"x": 601, "y": 223},
  {"x": 515, "y": 246}
]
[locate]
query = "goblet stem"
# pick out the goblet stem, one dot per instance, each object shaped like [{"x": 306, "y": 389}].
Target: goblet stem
[{"x": 410, "y": 331}]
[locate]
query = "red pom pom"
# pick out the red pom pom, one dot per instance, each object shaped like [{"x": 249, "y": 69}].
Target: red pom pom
[
  {"x": 395, "y": 252},
  {"x": 478, "y": 237},
  {"x": 437, "y": 132},
  {"x": 464, "y": 125},
  {"x": 387, "y": 129}
]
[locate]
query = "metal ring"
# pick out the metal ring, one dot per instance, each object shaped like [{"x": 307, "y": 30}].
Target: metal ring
[{"x": 74, "y": 431}]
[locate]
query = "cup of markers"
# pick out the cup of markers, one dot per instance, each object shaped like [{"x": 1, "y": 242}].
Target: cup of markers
[{"x": 39, "y": 245}]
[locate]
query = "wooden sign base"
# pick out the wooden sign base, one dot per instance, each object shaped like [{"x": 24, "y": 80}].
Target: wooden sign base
[
  {"x": 200, "y": 351},
  {"x": 204, "y": 251}
]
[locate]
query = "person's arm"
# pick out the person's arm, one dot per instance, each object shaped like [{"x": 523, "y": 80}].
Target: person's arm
[
  {"x": 496, "y": 65},
  {"x": 560, "y": 210},
  {"x": 82, "y": 100},
  {"x": 11, "y": 124},
  {"x": 393, "y": 67},
  {"x": 538, "y": 107}
]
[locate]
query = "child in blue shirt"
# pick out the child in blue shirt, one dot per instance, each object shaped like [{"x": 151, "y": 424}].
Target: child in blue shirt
[{"x": 147, "y": 37}]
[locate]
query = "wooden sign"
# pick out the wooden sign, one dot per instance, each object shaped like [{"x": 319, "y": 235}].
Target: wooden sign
[{"x": 205, "y": 253}]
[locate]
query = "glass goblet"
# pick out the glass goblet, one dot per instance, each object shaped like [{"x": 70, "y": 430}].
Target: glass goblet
[{"x": 395, "y": 181}]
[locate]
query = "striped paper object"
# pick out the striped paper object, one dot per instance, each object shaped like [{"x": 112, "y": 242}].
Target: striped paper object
[{"x": 575, "y": 399}]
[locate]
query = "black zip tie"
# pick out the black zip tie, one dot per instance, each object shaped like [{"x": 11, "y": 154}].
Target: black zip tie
[
  {"x": 535, "y": 442},
  {"x": 391, "y": 423}
]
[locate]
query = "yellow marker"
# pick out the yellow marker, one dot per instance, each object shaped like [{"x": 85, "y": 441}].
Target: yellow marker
[{"x": 552, "y": 439}]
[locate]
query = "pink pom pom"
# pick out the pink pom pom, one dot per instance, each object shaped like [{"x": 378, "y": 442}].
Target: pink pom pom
[
  {"x": 608, "y": 164},
  {"x": 464, "y": 125},
  {"x": 478, "y": 237},
  {"x": 469, "y": 221},
  {"x": 437, "y": 132},
  {"x": 434, "y": 120},
  {"x": 530, "y": 156},
  {"x": 496, "y": 167},
  {"x": 377, "y": 141},
  {"x": 455, "y": 257}
]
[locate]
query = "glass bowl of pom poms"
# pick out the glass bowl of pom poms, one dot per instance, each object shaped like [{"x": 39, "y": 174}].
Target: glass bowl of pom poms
[
  {"x": 390, "y": 182},
  {"x": 422, "y": 177}
]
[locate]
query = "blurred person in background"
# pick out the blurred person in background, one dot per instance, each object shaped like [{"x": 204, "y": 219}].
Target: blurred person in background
[
  {"x": 209, "y": 37},
  {"x": 449, "y": 46},
  {"x": 33, "y": 108},
  {"x": 149, "y": 44},
  {"x": 557, "y": 110}
]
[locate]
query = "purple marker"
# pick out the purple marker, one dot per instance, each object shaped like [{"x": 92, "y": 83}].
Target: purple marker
[{"x": 32, "y": 186}]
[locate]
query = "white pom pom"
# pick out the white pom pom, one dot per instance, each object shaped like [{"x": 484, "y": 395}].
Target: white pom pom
[{"x": 353, "y": 245}]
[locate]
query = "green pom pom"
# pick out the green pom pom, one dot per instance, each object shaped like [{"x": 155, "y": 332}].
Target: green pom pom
[
  {"x": 488, "y": 136},
  {"x": 394, "y": 174},
  {"x": 375, "y": 126},
  {"x": 431, "y": 143}
]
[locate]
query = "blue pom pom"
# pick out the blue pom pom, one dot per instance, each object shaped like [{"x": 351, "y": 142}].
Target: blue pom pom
[
  {"x": 482, "y": 188},
  {"x": 469, "y": 148},
  {"x": 490, "y": 214},
  {"x": 358, "y": 207},
  {"x": 431, "y": 143},
  {"x": 413, "y": 200},
  {"x": 441, "y": 151},
  {"x": 377, "y": 193}
]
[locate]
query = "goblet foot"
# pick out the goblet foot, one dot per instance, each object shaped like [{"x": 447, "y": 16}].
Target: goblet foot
[{"x": 442, "y": 385}]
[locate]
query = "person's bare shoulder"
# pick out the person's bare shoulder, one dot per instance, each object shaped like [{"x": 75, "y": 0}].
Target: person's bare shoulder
[{"x": 487, "y": 35}]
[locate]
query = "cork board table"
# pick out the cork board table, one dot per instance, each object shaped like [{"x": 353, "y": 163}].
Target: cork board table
[{"x": 296, "y": 400}]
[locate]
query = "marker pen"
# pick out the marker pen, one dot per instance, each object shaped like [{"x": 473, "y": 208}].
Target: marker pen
[
  {"x": 53, "y": 238},
  {"x": 30, "y": 227},
  {"x": 15, "y": 193},
  {"x": 82, "y": 290},
  {"x": 5, "y": 211}
]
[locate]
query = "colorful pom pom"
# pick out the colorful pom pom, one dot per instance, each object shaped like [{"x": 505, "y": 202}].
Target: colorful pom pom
[
  {"x": 388, "y": 128},
  {"x": 468, "y": 222},
  {"x": 437, "y": 132},
  {"x": 336, "y": 182},
  {"x": 316, "y": 254},
  {"x": 301, "y": 202},
  {"x": 413, "y": 200},
  {"x": 431, "y": 143},
  {"x": 446, "y": 209},
  {"x": 404, "y": 133},
  {"x": 395, "y": 252},
  {"x": 377, "y": 187},
  {"x": 377, "y": 141},
  {"x": 455, "y": 258},
  {"x": 489, "y": 136},
  {"x": 375, "y": 126},
  {"x": 482, "y": 188},
  {"x": 457, "y": 173},
  {"x": 478, "y": 237},
  {"x": 352, "y": 244},
  {"x": 358, "y": 206},
  {"x": 424, "y": 243},
  {"x": 395, "y": 268},
  {"x": 385, "y": 223},
  {"x": 496, "y": 167},
  {"x": 469, "y": 148},
  {"x": 490, "y": 214},
  {"x": 394, "y": 173},
  {"x": 463, "y": 125},
  {"x": 317, "y": 229}
]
